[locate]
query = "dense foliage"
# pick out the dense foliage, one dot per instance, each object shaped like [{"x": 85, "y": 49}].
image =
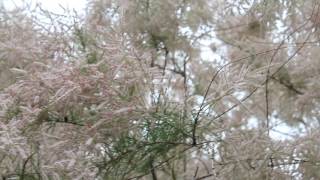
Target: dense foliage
[{"x": 161, "y": 89}]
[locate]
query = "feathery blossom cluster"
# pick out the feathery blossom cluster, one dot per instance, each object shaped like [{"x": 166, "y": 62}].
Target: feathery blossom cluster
[{"x": 124, "y": 92}]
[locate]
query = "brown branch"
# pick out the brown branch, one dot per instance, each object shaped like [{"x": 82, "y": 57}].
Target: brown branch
[
  {"x": 161, "y": 163},
  {"x": 22, "y": 175},
  {"x": 182, "y": 73},
  {"x": 196, "y": 173},
  {"x": 153, "y": 171},
  {"x": 204, "y": 177},
  {"x": 287, "y": 85}
]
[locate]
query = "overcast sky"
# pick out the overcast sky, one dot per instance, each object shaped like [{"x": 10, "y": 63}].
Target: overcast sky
[{"x": 52, "y": 5}]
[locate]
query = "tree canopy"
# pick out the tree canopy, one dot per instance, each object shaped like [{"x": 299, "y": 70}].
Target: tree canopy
[{"x": 161, "y": 89}]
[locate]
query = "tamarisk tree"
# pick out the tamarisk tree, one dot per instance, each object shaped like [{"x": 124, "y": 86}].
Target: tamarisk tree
[{"x": 161, "y": 89}]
